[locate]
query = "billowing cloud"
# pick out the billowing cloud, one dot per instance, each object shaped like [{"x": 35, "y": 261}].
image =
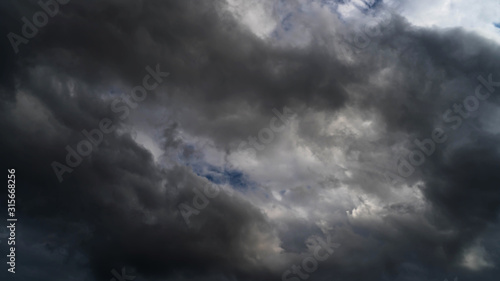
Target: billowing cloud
[{"x": 285, "y": 131}]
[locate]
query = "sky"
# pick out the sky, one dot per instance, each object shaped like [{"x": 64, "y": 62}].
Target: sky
[{"x": 242, "y": 140}]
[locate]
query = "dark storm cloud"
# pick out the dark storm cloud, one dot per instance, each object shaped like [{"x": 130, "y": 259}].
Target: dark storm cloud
[{"x": 225, "y": 82}]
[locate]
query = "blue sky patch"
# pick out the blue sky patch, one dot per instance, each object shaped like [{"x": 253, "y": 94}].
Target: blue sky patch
[{"x": 221, "y": 175}]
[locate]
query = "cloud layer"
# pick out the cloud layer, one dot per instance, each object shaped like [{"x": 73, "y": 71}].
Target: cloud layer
[{"x": 366, "y": 82}]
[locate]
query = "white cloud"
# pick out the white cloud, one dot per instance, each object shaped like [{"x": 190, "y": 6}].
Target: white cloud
[
  {"x": 256, "y": 15},
  {"x": 476, "y": 258},
  {"x": 473, "y": 16}
]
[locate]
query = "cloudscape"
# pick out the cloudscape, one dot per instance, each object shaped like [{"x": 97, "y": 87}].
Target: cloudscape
[{"x": 250, "y": 140}]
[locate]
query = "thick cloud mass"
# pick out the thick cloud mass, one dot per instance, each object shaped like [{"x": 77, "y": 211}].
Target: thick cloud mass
[{"x": 305, "y": 115}]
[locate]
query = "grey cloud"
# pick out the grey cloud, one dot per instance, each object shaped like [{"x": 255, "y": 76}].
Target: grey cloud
[{"x": 224, "y": 83}]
